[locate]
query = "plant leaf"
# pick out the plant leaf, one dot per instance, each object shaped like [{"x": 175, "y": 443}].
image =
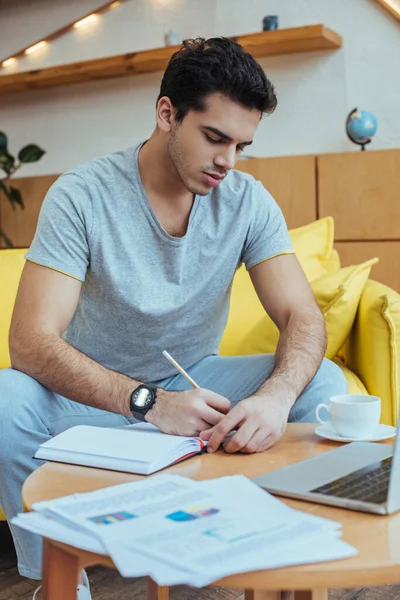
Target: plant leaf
[
  {"x": 30, "y": 153},
  {"x": 15, "y": 196},
  {"x": 6, "y": 239},
  {"x": 7, "y": 162},
  {"x": 7, "y": 193},
  {"x": 3, "y": 142}
]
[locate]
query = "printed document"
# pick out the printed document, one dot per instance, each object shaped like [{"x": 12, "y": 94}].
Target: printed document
[{"x": 181, "y": 531}]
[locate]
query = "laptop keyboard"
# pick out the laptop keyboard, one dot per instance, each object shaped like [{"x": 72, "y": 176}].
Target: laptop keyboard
[{"x": 370, "y": 484}]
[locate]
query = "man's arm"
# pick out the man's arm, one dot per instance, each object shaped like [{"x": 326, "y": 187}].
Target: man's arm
[
  {"x": 45, "y": 304},
  {"x": 287, "y": 297}
]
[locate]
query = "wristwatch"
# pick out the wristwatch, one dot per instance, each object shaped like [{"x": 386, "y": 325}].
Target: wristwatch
[{"x": 142, "y": 400}]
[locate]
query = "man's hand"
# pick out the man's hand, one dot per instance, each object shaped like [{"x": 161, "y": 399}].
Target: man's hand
[
  {"x": 259, "y": 422},
  {"x": 188, "y": 412}
]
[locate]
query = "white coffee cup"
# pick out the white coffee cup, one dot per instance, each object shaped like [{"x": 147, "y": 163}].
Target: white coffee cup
[{"x": 352, "y": 415}]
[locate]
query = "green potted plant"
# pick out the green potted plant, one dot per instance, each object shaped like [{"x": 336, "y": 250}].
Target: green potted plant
[{"x": 9, "y": 165}]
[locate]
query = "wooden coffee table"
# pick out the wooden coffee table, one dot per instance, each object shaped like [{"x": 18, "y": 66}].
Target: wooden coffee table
[{"x": 377, "y": 538}]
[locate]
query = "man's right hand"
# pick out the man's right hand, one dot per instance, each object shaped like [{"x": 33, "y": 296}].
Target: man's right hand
[{"x": 189, "y": 412}]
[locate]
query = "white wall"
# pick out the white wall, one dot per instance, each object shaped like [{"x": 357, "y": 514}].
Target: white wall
[{"x": 315, "y": 90}]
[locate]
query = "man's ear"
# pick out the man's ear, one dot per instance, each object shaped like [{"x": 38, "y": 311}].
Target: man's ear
[{"x": 165, "y": 114}]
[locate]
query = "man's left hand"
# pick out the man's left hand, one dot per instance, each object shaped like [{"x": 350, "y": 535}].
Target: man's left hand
[{"x": 259, "y": 422}]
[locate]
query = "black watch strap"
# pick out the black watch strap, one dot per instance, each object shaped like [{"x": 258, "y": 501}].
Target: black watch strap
[{"x": 142, "y": 400}]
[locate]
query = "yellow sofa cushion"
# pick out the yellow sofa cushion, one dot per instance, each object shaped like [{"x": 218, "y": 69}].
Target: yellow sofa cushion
[
  {"x": 372, "y": 349},
  {"x": 337, "y": 294},
  {"x": 11, "y": 265},
  {"x": 355, "y": 384},
  {"x": 313, "y": 245},
  {"x": 245, "y": 310}
]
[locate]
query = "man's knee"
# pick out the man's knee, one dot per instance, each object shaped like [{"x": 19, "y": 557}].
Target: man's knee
[
  {"x": 19, "y": 398},
  {"x": 14, "y": 385},
  {"x": 328, "y": 381}
]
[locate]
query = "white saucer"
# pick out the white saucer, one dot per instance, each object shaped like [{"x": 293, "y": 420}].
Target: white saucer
[{"x": 384, "y": 432}]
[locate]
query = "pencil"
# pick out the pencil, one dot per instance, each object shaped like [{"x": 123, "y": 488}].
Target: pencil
[{"x": 179, "y": 368}]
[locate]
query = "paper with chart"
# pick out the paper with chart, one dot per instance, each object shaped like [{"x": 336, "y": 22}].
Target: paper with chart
[
  {"x": 47, "y": 527},
  {"x": 226, "y": 532},
  {"x": 196, "y": 532}
]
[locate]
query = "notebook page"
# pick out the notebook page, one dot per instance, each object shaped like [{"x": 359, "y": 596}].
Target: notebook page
[{"x": 129, "y": 443}]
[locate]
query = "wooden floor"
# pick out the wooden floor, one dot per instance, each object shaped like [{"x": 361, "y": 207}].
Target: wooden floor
[{"x": 107, "y": 584}]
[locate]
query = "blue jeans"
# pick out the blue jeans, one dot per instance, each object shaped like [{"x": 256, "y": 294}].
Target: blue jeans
[{"x": 31, "y": 414}]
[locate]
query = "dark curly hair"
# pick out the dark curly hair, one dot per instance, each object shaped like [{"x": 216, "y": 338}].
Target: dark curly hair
[{"x": 201, "y": 67}]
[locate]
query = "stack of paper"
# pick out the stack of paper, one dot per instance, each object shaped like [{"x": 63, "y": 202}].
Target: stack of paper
[{"x": 180, "y": 531}]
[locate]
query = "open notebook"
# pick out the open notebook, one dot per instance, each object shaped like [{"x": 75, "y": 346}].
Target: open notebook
[{"x": 139, "y": 448}]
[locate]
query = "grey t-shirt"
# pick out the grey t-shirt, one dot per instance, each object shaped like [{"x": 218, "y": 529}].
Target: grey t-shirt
[{"x": 143, "y": 290}]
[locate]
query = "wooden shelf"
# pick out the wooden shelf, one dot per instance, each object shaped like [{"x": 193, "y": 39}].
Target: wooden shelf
[
  {"x": 265, "y": 43},
  {"x": 391, "y": 8}
]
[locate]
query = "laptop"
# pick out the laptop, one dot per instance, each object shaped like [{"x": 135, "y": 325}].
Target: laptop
[{"x": 363, "y": 476}]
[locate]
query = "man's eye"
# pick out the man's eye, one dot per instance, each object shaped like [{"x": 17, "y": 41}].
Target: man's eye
[
  {"x": 212, "y": 140},
  {"x": 240, "y": 148}
]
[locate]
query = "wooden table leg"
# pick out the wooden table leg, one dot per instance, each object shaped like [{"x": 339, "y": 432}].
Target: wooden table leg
[
  {"x": 261, "y": 595},
  {"x": 155, "y": 591},
  {"x": 320, "y": 594},
  {"x": 60, "y": 573}
]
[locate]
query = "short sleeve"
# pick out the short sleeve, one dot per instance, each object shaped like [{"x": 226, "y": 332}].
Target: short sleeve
[
  {"x": 267, "y": 234},
  {"x": 65, "y": 221}
]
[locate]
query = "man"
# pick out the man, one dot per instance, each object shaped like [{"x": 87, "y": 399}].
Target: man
[{"x": 135, "y": 253}]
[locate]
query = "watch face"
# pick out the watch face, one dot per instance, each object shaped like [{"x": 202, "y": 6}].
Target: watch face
[{"x": 142, "y": 398}]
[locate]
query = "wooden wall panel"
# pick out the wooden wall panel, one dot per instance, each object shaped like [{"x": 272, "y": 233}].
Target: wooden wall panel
[
  {"x": 387, "y": 270},
  {"x": 20, "y": 225},
  {"x": 361, "y": 190},
  {"x": 292, "y": 182}
]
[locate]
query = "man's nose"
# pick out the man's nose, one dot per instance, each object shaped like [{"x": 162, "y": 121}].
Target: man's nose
[{"x": 226, "y": 158}]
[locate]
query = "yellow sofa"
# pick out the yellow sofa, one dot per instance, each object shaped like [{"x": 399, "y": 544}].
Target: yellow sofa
[{"x": 362, "y": 316}]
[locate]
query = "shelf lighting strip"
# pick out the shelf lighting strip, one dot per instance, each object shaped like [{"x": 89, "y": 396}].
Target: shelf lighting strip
[
  {"x": 392, "y": 6},
  {"x": 84, "y": 22}
]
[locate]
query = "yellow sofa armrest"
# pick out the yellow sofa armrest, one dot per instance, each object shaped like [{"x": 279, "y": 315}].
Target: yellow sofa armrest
[
  {"x": 11, "y": 264},
  {"x": 372, "y": 349}
]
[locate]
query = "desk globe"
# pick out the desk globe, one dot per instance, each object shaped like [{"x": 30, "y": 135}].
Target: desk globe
[{"x": 361, "y": 126}]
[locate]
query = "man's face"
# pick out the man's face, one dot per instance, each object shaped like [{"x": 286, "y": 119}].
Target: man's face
[{"x": 206, "y": 145}]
